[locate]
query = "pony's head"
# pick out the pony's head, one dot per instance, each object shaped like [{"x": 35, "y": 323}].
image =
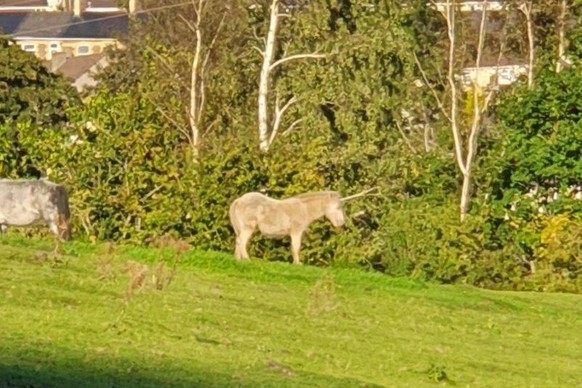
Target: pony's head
[{"x": 334, "y": 211}]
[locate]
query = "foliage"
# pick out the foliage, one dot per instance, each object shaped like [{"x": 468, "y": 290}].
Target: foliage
[
  {"x": 30, "y": 97},
  {"x": 559, "y": 255},
  {"x": 123, "y": 170},
  {"x": 541, "y": 133},
  {"x": 28, "y": 91},
  {"x": 539, "y": 147}
]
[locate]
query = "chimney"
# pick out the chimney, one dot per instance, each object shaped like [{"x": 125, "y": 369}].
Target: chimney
[
  {"x": 79, "y": 7},
  {"x": 132, "y": 7}
]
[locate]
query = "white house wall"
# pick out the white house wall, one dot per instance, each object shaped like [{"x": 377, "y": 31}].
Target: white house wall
[
  {"x": 471, "y": 6},
  {"x": 506, "y": 75}
]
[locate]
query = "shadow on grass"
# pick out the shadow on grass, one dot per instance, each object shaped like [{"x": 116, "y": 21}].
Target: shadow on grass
[
  {"x": 76, "y": 376},
  {"x": 85, "y": 375}
]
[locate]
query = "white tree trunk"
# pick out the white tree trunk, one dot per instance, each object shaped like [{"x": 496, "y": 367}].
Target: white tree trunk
[
  {"x": 450, "y": 18},
  {"x": 526, "y": 8},
  {"x": 264, "y": 138},
  {"x": 466, "y": 195},
  {"x": 197, "y": 77},
  {"x": 194, "y": 98},
  {"x": 466, "y": 150},
  {"x": 561, "y": 36}
]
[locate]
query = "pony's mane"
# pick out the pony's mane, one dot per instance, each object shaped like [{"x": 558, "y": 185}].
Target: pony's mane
[{"x": 317, "y": 195}]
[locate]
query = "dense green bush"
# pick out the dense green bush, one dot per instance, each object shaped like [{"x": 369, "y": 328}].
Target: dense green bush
[
  {"x": 539, "y": 144},
  {"x": 28, "y": 91},
  {"x": 132, "y": 178},
  {"x": 29, "y": 94}
]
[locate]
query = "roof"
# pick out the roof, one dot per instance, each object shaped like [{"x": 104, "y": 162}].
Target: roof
[
  {"x": 9, "y": 25},
  {"x": 101, "y": 25},
  {"x": 64, "y": 25},
  {"x": 23, "y": 3},
  {"x": 44, "y": 3},
  {"x": 75, "y": 67},
  {"x": 55, "y": 23}
]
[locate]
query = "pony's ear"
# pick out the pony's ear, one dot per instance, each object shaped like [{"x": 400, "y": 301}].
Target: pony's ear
[{"x": 361, "y": 194}]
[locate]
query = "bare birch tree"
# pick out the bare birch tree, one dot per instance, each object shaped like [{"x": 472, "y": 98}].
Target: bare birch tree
[
  {"x": 465, "y": 135},
  {"x": 198, "y": 71},
  {"x": 205, "y": 12},
  {"x": 267, "y": 133}
]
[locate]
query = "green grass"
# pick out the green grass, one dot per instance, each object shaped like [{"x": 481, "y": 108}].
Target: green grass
[{"x": 67, "y": 322}]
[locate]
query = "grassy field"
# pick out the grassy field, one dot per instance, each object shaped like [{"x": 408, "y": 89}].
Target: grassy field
[{"x": 97, "y": 317}]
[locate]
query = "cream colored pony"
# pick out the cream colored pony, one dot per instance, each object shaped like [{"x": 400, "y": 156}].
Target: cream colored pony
[{"x": 286, "y": 217}]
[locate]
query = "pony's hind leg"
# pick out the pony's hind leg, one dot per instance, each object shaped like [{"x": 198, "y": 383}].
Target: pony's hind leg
[
  {"x": 296, "y": 247},
  {"x": 237, "y": 250},
  {"x": 242, "y": 242}
]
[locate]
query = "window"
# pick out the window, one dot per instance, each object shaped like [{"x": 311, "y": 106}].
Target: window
[
  {"x": 82, "y": 50},
  {"x": 29, "y": 48},
  {"x": 55, "y": 48},
  {"x": 507, "y": 76}
]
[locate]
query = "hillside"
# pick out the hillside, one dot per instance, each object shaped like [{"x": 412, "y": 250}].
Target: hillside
[{"x": 84, "y": 319}]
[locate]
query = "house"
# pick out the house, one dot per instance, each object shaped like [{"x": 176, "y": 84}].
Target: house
[
  {"x": 28, "y": 5},
  {"x": 505, "y": 70},
  {"x": 472, "y": 6},
  {"x": 70, "y": 36}
]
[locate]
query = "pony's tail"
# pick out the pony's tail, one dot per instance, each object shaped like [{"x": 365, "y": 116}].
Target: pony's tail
[{"x": 233, "y": 217}]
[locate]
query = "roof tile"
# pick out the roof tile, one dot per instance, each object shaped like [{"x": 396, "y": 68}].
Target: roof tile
[{"x": 64, "y": 24}]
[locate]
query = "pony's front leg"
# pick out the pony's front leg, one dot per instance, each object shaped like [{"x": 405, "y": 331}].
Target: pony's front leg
[{"x": 296, "y": 247}]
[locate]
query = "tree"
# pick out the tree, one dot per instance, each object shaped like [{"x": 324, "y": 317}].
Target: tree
[
  {"x": 266, "y": 134},
  {"x": 198, "y": 75},
  {"x": 29, "y": 92},
  {"x": 179, "y": 57},
  {"x": 31, "y": 99},
  {"x": 465, "y": 132},
  {"x": 541, "y": 140},
  {"x": 549, "y": 28}
]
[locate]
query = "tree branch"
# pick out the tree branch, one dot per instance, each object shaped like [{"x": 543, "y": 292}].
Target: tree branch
[
  {"x": 290, "y": 127},
  {"x": 450, "y": 19},
  {"x": 166, "y": 66},
  {"x": 264, "y": 78},
  {"x": 279, "y": 116},
  {"x": 294, "y": 57},
  {"x": 405, "y": 138},
  {"x": 259, "y": 50},
  {"x": 433, "y": 91},
  {"x": 476, "y": 124},
  {"x": 176, "y": 124}
]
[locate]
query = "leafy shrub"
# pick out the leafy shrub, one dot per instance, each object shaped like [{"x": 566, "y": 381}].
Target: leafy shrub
[
  {"x": 538, "y": 143},
  {"x": 428, "y": 241},
  {"x": 28, "y": 91},
  {"x": 558, "y": 258}
]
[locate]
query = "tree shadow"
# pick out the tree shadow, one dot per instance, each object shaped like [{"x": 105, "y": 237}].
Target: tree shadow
[
  {"x": 89, "y": 375},
  {"x": 85, "y": 376}
]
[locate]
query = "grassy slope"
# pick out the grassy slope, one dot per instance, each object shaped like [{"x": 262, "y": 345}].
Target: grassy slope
[{"x": 66, "y": 323}]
